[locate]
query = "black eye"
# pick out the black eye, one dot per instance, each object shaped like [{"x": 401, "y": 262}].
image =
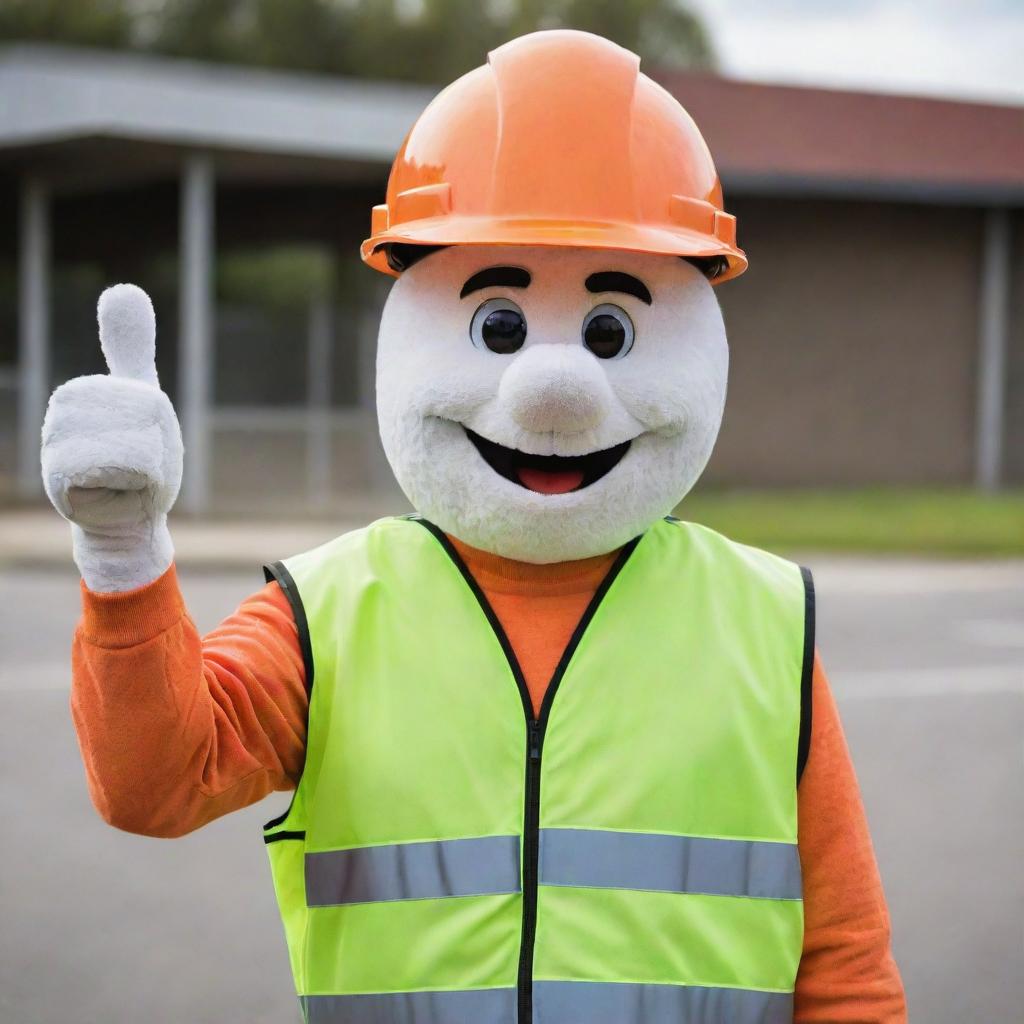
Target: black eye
[
  {"x": 498, "y": 325},
  {"x": 608, "y": 331}
]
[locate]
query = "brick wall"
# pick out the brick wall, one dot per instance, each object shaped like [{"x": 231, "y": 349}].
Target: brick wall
[{"x": 853, "y": 339}]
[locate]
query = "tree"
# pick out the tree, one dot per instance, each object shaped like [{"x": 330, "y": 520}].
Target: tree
[
  {"x": 106, "y": 23},
  {"x": 416, "y": 40}
]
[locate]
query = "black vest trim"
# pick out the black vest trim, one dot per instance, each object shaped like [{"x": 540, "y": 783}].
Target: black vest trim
[
  {"x": 278, "y": 573},
  {"x": 278, "y": 837},
  {"x": 806, "y": 676},
  {"x": 485, "y": 606}
]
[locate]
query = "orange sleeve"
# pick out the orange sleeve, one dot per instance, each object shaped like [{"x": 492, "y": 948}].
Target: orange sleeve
[
  {"x": 847, "y": 973},
  {"x": 176, "y": 730}
]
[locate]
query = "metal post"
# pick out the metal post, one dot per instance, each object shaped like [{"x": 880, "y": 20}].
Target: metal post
[
  {"x": 195, "y": 345},
  {"x": 320, "y": 335},
  {"x": 993, "y": 331},
  {"x": 33, "y": 330}
]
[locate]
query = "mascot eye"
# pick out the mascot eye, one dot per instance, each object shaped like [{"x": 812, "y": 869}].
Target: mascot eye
[
  {"x": 499, "y": 325},
  {"x": 608, "y": 331}
]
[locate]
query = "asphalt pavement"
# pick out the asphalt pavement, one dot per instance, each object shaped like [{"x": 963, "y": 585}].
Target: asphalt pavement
[{"x": 927, "y": 661}]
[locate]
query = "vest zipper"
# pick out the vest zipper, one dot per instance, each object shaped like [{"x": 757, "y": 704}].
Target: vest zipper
[
  {"x": 534, "y": 738},
  {"x": 535, "y": 729},
  {"x": 531, "y": 857}
]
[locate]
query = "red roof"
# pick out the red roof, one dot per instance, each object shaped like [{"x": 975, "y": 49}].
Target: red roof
[{"x": 773, "y": 134}]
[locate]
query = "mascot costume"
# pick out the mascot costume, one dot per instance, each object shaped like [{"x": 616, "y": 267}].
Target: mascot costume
[{"x": 553, "y": 750}]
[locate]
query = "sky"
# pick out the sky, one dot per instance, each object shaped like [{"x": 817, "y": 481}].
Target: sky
[{"x": 972, "y": 49}]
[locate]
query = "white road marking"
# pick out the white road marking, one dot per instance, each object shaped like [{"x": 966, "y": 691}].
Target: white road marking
[
  {"x": 898, "y": 575},
  {"x": 998, "y": 633},
  {"x": 929, "y": 682}
]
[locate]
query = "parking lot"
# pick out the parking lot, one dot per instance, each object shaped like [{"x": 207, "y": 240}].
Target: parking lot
[{"x": 926, "y": 658}]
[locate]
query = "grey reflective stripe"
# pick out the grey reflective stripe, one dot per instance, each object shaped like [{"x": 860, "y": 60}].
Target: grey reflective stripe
[
  {"x": 592, "y": 1002},
  {"x": 469, "y": 1006},
  {"x": 413, "y": 871},
  {"x": 638, "y": 860}
]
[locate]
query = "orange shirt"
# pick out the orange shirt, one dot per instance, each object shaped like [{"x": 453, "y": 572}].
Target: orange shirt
[{"x": 176, "y": 730}]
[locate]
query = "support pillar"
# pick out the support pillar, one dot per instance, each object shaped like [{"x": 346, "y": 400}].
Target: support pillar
[
  {"x": 196, "y": 315},
  {"x": 993, "y": 340},
  {"x": 33, "y": 330}
]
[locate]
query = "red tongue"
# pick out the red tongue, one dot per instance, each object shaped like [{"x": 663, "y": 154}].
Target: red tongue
[{"x": 559, "y": 482}]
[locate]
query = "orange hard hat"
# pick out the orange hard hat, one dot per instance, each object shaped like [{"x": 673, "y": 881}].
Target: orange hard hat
[{"x": 558, "y": 139}]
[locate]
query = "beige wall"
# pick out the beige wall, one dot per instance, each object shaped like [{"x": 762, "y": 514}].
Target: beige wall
[{"x": 853, "y": 340}]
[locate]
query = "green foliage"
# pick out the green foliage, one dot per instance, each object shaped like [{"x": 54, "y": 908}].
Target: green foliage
[
  {"x": 85, "y": 22},
  {"x": 919, "y": 521},
  {"x": 417, "y": 40},
  {"x": 284, "y": 276}
]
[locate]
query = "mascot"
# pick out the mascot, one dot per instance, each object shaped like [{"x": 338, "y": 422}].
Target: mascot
[{"x": 557, "y": 756}]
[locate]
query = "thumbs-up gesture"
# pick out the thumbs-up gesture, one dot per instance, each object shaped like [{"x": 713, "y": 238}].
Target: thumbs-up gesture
[{"x": 112, "y": 452}]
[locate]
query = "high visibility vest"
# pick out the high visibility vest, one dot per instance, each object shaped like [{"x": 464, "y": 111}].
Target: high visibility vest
[{"x": 627, "y": 857}]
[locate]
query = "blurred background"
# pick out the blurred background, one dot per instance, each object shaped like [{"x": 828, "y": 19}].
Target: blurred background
[{"x": 225, "y": 154}]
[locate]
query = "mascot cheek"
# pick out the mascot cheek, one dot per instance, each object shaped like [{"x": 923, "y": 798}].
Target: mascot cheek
[
  {"x": 429, "y": 379},
  {"x": 675, "y": 380}
]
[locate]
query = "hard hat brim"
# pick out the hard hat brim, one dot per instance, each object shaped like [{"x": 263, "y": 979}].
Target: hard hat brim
[{"x": 649, "y": 238}]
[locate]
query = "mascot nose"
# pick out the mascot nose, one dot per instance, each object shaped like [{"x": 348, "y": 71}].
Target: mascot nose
[{"x": 556, "y": 388}]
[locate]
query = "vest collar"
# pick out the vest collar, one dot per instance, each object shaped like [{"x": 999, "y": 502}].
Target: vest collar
[{"x": 505, "y": 575}]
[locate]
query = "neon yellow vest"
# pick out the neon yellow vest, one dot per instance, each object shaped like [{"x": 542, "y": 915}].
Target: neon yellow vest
[{"x": 628, "y": 858}]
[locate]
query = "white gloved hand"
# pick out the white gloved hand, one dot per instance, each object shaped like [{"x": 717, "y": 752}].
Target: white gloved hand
[{"x": 112, "y": 452}]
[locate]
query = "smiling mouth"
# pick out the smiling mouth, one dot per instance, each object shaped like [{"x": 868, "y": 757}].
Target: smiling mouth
[{"x": 548, "y": 474}]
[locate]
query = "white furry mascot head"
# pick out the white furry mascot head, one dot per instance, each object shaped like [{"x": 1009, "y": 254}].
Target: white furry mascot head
[{"x": 552, "y": 361}]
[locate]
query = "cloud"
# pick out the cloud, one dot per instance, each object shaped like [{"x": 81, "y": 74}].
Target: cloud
[{"x": 936, "y": 47}]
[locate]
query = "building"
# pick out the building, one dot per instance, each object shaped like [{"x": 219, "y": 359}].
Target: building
[{"x": 878, "y": 337}]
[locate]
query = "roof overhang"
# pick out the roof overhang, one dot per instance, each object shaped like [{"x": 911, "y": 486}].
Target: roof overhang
[
  {"x": 789, "y": 140},
  {"x": 53, "y": 94},
  {"x": 87, "y": 116}
]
